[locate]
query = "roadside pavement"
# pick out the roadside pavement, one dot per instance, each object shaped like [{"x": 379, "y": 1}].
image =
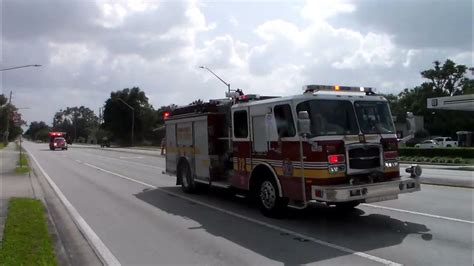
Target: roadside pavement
[
  {"x": 71, "y": 248},
  {"x": 12, "y": 184}
]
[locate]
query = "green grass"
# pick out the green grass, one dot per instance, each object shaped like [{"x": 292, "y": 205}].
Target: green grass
[
  {"x": 2, "y": 145},
  {"x": 438, "y": 159},
  {"x": 26, "y": 239},
  {"x": 23, "y": 161}
]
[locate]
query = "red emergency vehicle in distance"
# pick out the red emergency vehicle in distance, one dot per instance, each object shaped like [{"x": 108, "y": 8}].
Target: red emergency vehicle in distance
[
  {"x": 57, "y": 140},
  {"x": 332, "y": 144}
]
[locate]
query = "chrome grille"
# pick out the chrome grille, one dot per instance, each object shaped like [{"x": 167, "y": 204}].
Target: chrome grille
[{"x": 364, "y": 157}]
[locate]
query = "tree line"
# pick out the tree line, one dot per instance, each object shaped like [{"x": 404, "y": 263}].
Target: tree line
[
  {"x": 114, "y": 123},
  {"x": 10, "y": 122},
  {"x": 444, "y": 79}
]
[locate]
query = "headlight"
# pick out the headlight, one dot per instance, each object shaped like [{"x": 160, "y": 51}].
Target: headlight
[
  {"x": 391, "y": 164},
  {"x": 336, "y": 168}
]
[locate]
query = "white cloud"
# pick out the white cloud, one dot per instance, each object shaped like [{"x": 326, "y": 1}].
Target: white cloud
[
  {"x": 233, "y": 21},
  {"x": 318, "y": 11},
  {"x": 89, "y": 49}
]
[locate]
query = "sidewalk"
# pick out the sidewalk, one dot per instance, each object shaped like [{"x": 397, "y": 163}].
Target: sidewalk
[
  {"x": 12, "y": 184},
  {"x": 71, "y": 248}
]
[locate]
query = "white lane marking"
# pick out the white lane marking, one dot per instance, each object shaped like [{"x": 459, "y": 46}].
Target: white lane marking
[
  {"x": 419, "y": 213},
  {"x": 124, "y": 161},
  {"x": 131, "y": 157},
  {"x": 119, "y": 175},
  {"x": 274, "y": 227},
  {"x": 104, "y": 253},
  {"x": 79, "y": 161}
]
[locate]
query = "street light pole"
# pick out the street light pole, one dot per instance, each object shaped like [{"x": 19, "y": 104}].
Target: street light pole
[
  {"x": 6, "y": 69},
  {"x": 21, "y": 133},
  {"x": 133, "y": 116},
  {"x": 227, "y": 84},
  {"x": 16, "y": 67},
  {"x": 7, "y": 127}
]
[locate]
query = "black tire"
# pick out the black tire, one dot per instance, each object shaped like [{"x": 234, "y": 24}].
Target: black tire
[
  {"x": 347, "y": 206},
  {"x": 187, "y": 181},
  {"x": 269, "y": 202}
]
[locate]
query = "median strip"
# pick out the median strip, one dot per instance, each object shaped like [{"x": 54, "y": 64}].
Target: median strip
[
  {"x": 26, "y": 238},
  {"x": 22, "y": 164}
]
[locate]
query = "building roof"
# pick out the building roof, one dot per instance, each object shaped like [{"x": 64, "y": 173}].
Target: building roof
[{"x": 459, "y": 102}]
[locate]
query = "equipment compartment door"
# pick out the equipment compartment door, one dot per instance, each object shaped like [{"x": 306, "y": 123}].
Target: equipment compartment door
[
  {"x": 171, "y": 150},
  {"x": 259, "y": 138},
  {"x": 201, "y": 150}
]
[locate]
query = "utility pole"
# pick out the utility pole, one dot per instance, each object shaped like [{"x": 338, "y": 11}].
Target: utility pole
[
  {"x": 7, "y": 128},
  {"x": 133, "y": 117}
]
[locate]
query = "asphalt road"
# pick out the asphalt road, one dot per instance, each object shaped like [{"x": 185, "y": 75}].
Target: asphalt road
[{"x": 143, "y": 218}]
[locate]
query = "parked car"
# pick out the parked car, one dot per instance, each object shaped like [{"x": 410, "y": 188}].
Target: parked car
[
  {"x": 446, "y": 142},
  {"x": 428, "y": 144}
]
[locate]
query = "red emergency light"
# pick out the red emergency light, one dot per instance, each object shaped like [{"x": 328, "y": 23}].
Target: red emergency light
[
  {"x": 166, "y": 115},
  {"x": 56, "y": 134},
  {"x": 333, "y": 159}
]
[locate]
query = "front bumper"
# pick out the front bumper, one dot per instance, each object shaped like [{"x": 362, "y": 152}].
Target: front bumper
[{"x": 366, "y": 192}]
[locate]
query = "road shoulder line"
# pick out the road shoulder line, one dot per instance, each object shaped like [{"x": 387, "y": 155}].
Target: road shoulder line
[
  {"x": 101, "y": 249},
  {"x": 274, "y": 227}
]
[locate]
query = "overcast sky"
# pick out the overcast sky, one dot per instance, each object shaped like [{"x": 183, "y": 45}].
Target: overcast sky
[{"x": 89, "y": 48}]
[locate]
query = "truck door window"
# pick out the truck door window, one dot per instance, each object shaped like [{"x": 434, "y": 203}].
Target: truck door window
[
  {"x": 241, "y": 129},
  {"x": 284, "y": 121}
]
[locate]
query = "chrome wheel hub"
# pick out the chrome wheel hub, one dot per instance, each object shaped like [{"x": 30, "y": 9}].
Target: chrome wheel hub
[{"x": 267, "y": 194}]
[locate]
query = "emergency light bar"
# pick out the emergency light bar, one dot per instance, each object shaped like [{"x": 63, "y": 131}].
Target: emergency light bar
[{"x": 337, "y": 88}]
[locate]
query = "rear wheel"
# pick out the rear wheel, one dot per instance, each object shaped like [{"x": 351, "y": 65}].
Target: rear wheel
[
  {"x": 187, "y": 181},
  {"x": 269, "y": 201}
]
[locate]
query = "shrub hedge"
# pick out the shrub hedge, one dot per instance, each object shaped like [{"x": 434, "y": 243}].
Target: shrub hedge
[{"x": 441, "y": 152}]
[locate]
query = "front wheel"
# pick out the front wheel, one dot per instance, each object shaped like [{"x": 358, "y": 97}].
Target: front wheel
[{"x": 270, "y": 203}]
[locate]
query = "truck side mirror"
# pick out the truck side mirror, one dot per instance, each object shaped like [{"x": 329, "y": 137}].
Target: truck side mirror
[{"x": 304, "y": 124}]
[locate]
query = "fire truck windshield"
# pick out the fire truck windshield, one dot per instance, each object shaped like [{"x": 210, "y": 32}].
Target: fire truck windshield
[
  {"x": 330, "y": 117},
  {"x": 374, "y": 117}
]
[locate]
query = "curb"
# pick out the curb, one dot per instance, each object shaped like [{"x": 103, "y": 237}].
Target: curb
[
  {"x": 439, "y": 164},
  {"x": 447, "y": 182}
]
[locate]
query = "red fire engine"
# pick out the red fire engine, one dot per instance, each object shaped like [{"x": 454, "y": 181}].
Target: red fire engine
[
  {"x": 332, "y": 144},
  {"x": 54, "y": 135}
]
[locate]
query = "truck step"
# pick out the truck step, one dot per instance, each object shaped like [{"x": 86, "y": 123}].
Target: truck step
[
  {"x": 296, "y": 205},
  {"x": 221, "y": 184}
]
